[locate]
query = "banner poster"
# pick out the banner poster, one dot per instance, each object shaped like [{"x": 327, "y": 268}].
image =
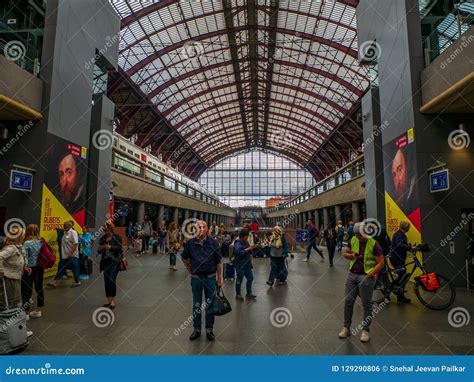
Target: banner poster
[
  {"x": 64, "y": 189},
  {"x": 401, "y": 186}
]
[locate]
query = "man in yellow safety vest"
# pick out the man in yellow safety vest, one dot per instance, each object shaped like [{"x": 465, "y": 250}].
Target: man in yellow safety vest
[{"x": 366, "y": 260}]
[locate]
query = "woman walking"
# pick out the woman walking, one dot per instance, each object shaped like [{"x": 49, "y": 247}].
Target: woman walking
[
  {"x": 174, "y": 244},
  {"x": 278, "y": 254},
  {"x": 110, "y": 247},
  {"x": 33, "y": 275}
]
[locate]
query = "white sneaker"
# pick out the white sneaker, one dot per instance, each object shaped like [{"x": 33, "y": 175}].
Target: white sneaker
[
  {"x": 305, "y": 260},
  {"x": 364, "y": 337},
  {"x": 344, "y": 333},
  {"x": 27, "y": 317},
  {"x": 29, "y": 333},
  {"x": 35, "y": 314}
]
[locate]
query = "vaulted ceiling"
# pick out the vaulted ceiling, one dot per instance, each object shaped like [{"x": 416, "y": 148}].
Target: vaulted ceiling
[{"x": 225, "y": 76}]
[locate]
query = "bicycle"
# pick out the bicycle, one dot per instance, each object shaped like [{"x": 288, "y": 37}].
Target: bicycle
[{"x": 434, "y": 292}]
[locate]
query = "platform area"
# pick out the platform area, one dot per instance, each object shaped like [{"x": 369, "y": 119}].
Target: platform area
[{"x": 153, "y": 302}]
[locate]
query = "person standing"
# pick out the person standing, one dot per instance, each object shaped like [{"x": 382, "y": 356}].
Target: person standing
[
  {"x": 340, "y": 235},
  {"x": 174, "y": 244},
  {"x": 330, "y": 237},
  {"x": 350, "y": 231},
  {"x": 130, "y": 232},
  {"x": 33, "y": 276},
  {"x": 398, "y": 255},
  {"x": 366, "y": 261},
  {"x": 147, "y": 229},
  {"x": 162, "y": 233},
  {"x": 254, "y": 227},
  {"x": 243, "y": 265},
  {"x": 214, "y": 230},
  {"x": 69, "y": 255},
  {"x": 110, "y": 247},
  {"x": 86, "y": 242},
  {"x": 278, "y": 253},
  {"x": 312, "y": 233},
  {"x": 202, "y": 259},
  {"x": 13, "y": 264}
]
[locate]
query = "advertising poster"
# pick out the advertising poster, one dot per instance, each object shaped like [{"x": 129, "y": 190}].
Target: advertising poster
[
  {"x": 401, "y": 186},
  {"x": 64, "y": 188}
]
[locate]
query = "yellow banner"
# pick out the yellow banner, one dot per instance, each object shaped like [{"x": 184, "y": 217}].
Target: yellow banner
[
  {"x": 394, "y": 215},
  {"x": 53, "y": 216}
]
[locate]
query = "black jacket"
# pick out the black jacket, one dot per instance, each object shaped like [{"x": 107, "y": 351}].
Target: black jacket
[{"x": 115, "y": 252}]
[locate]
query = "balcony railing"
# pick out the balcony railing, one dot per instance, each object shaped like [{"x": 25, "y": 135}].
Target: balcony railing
[
  {"x": 350, "y": 171},
  {"x": 445, "y": 29}
]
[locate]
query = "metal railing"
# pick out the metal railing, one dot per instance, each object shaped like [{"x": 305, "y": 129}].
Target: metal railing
[
  {"x": 15, "y": 51},
  {"x": 347, "y": 173},
  {"x": 446, "y": 29}
]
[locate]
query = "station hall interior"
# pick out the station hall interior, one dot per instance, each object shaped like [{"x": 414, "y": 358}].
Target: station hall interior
[{"x": 236, "y": 112}]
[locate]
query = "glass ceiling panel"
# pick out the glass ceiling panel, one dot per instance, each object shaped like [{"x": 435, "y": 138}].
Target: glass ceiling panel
[{"x": 202, "y": 75}]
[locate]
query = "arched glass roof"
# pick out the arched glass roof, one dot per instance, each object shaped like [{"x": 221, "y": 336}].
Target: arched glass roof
[{"x": 230, "y": 75}]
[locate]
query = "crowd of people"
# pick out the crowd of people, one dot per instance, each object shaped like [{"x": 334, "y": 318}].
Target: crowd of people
[{"x": 202, "y": 254}]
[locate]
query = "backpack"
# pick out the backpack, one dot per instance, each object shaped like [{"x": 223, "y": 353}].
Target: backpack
[
  {"x": 46, "y": 256},
  {"x": 340, "y": 231}
]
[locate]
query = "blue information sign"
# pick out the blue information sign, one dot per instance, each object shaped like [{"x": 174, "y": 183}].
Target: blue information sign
[
  {"x": 439, "y": 181},
  {"x": 21, "y": 181}
]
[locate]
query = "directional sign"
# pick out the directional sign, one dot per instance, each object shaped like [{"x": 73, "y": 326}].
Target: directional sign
[
  {"x": 439, "y": 181},
  {"x": 21, "y": 181}
]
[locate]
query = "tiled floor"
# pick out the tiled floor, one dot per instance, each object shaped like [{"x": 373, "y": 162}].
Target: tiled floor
[{"x": 153, "y": 302}]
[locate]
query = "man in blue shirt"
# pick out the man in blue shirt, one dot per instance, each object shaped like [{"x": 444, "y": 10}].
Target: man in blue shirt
[
  {"x": 243, "y": 265},
  {"x": 202, "y": 258}
]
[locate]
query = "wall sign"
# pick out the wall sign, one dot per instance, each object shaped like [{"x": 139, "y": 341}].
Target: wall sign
[
  {"x": 21, "y": 180},
  {"x": 439, "y": 181}
]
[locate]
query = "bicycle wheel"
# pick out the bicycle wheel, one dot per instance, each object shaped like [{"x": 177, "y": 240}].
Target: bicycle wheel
[
  {"x": 380, "y": 293},
  {"x": 439, "y": 299}
]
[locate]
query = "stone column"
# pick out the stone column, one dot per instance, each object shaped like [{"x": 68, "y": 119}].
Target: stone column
[
  {"x": 356, "y": 213},
  {"x": 176, "y": 214},
  {"x": 326, "y": 217},
  {"x": 140, "y": 212}
]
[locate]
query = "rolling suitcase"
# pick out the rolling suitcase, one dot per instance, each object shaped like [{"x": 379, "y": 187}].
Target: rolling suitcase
[
  {"x": 13, "y": 335},
  {"x": 229, "y": 271}
]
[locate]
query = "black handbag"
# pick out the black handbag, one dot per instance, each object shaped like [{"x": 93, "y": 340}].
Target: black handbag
[{"x": 220, "y": 305}]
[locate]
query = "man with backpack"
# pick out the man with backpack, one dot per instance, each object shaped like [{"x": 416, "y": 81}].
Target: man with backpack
[{"x": 312, "y": 233}]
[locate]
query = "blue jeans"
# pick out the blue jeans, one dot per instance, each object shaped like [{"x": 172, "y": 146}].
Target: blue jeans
[
  {"x": 312, "y": 244},
  {"x": 278, "y": 269},
  {"x": 248, "y": 274},
  {"x": 69, "y": 263},
  {"x": 111, "y": 271},
  {"x": 339, "y": 243},
  {"x": 198, "y": 285},
  {"x": 172, "y": 259}
]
